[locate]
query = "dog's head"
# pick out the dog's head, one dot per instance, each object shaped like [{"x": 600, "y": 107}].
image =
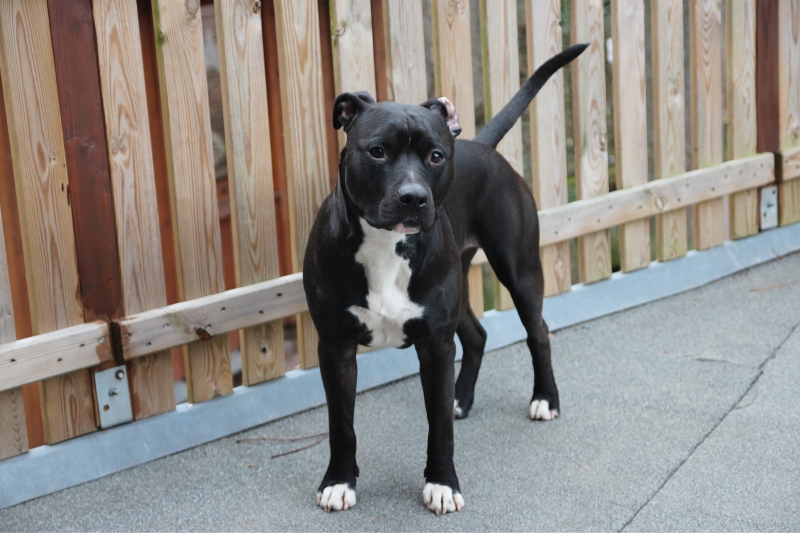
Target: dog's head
[{"x": 399, "y": 160}]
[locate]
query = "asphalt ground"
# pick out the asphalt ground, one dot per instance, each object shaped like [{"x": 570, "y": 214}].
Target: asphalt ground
[{"x": 679, "y": 415}]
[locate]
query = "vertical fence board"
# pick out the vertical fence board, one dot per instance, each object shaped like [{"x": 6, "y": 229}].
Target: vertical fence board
[
  {"x": 133, "y": 186},
  {"x": 353, "y": 55},
  {"x": 789, "y": 102},
  {"x": 195, "y": 218},
  {"x": 548, "y": 138},
  {"x": 500, "y": 55},
  {"x": 405, "y": 52},
  {"x": 255, "y": 241},
  {"x": 589, "y": 112},
  {"x": 740, "y": 46},
  {"x": 29, "y": 85},
  {"x": 706, "y": 77},
  {"x": 669, "y": 120},
  {"x": 304, "y": 124},
  {"x": 13, "y": 431},
  {"x": 630, "y": 122}
]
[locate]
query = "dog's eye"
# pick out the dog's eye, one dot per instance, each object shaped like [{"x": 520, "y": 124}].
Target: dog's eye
[
  {"x": 436, "y": 157},
  {"x": 376, "y": 152}
]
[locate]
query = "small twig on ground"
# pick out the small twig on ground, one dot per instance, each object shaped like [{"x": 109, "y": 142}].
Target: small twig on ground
[
  {"x": 759, "y": 289},
  {"x": 276, "y": 439},
  {"x": 299, "y": 449}
]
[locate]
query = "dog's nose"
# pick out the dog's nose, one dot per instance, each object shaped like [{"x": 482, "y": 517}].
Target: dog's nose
[{"x": 412, "y": 195}]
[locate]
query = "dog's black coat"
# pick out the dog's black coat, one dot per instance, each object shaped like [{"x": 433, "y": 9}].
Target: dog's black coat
[{"x": 390, "y": 173}]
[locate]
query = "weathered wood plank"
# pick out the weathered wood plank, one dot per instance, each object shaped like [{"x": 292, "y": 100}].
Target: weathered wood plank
[
  {"x": 655, "y": 197},
  {"x": 128, "y": 135},
  {"x": 184, "y": 322},
  {"x": 13, "y": 430},
  {"x": 791, "y": 164},
  {"x": 740, "y": 46},
  {"x": 405, "y": 52},
  {"x": 630, "y": 122},
  {"x": 195, "y": 218},
  {"x": 549, "y": 152},
  {"x": 58, "y": 352},
  {"x": 705, "y": 19},
  {"x": 255, "y": 241},
  {"x": 29, "y": 84},
  {"x": 789, "y": 102},
  {"x": 475, "y": 281},
  {"x": 589, "y": 114},
  {"x": 304, "y": 126},
  {"x": 669, "y": 122}
]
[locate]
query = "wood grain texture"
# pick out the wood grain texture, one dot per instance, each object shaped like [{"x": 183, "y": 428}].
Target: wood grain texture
[
  {"x": 30, "y": 90},
  {"x": 669, "y": 119},
  {"x": 195, "y": 218},
  {"x": 655, "y": 197},
  {"x": 589, "y": 115},
  {"x": 353, "y": 56},
  {"x": 476, "y": 289},
  {"x": 790, "y": 160},
  {"x": 13, "y": 430},
  {"x": 740, "y": 46},
  {"x": 789, "y": 102},
  {"x": 128, "y": 135},
  {"x": 630, "y": 122},
  {"x": 705, "y": 19},
  {"x": 404, "y": 38},
  {"x": 255, "y": 241},
  {"x": 452, "y": 57},
  {"x": 548, "y": 152},
  {"x": 379, "y": 50}
]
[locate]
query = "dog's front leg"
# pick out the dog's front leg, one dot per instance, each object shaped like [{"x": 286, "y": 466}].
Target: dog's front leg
[
  {"x": 441, "y": 493},
  {"x": 337, "y": 362}
]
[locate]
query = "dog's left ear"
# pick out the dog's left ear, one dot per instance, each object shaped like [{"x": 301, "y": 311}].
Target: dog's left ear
[
  {"x": 347, "y": 106},
  {"x": 448, "y": 111}
]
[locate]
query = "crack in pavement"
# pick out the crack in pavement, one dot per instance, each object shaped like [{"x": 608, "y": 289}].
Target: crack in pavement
[{"x": 733, "y": 407}]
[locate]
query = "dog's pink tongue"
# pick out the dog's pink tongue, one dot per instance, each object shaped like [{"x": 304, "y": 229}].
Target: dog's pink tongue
[{"x": 402, "y": 228}]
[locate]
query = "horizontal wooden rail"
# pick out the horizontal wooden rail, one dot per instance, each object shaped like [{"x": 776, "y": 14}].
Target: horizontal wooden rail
[
  {"x": 791, "y": 164},
  {"x": 54, "y": 353},
  {"x": 654, "y": 198},
  {"x": 202, "y": 318}
]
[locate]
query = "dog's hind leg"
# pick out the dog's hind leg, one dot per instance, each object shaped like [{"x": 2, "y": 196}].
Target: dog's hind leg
[{"x": 473, "y": 340}]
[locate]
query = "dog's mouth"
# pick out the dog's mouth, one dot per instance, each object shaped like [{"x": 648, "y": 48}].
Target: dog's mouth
[{"x": 407, "y": 227}]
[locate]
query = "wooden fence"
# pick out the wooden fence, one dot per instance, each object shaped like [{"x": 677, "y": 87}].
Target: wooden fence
[{"x": 109, "y": 194}]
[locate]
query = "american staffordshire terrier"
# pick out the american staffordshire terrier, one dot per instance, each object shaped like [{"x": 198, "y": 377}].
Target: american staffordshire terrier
[{"x": 387, "y": 262}]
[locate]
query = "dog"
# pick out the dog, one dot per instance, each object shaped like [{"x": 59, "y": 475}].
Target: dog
[{"x": 387, "y": 260}]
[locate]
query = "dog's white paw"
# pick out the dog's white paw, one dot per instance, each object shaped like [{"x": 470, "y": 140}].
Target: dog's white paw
[
  {"x": 337, "y": 498},
  {"x": 457, "y": 411},
  {"x": 441, "y": 499},
  {"x": 540, "y": 410}
]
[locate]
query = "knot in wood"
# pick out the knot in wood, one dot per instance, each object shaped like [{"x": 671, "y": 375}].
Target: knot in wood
[
  {"x": 340, "y": 30},
  {"x": 192, "y": 7},
  {"x": 660, "y": 203},
  {"x": 257, "y": 7},
  {"x": 202, "y": 334}
]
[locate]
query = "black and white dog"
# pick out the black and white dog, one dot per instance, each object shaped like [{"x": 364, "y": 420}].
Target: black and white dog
[{"x": 387, "y": 261}]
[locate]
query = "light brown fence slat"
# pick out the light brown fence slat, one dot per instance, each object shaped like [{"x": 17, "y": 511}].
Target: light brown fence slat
[
  {"x": 184, "y": 95},
  {"x": 353, "y": 56},
  {"x": 789, "y": 101},
  {"x": 791, "y": 164},
  {"x": 589, "y": 113},
  {"x": 500, "y": 57},
  {"x": 13, "y": 431},
  {"x": 549, "y": 152},
  {"x": 706, "y": 77},
  {"x": 29, "y": 85},
  {"x": 740, "y": 46},
  {"x": 255, "y": 241},
  {"x": 669, "y": 122},
  {"x": 304, "y": 124},
  {"x": 133, "y": 186},
  {"x": 630, "y": 122},
  {"x": 405, "y": 52}
]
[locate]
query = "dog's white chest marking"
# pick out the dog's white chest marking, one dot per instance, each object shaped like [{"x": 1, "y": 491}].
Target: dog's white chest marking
[{"x": 388, "y": 276}]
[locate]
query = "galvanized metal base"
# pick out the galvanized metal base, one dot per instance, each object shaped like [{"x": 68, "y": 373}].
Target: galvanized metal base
[{"x": 48, "y": 469}]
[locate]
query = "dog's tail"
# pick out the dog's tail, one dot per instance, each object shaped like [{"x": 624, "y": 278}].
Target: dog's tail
[{"x": 503, "y": 121}]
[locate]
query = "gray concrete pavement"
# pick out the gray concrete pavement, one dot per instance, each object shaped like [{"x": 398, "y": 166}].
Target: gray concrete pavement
[{"x": 678, "y": 415}]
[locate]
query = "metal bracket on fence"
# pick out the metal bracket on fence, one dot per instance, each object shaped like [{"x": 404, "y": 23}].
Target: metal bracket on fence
[
  {"x": 113, "y": 397},
  {"x": 768, "y": 212}
]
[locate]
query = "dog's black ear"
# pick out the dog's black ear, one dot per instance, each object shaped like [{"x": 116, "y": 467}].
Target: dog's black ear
[
  {"x": 347, "y": 106},
  {"x": 445, "y": 107}
]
